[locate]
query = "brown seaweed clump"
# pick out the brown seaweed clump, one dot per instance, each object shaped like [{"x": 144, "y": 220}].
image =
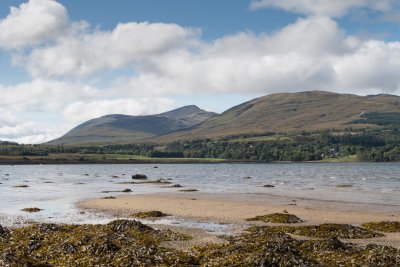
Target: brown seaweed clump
[
  {"x": 119, "y": 243},
  {"x": 277, "y": 218},
  {"x": 329, "y": 230},
  {"x": 149, "y": 214},
  {"x": 31, "y": 210},
  {"x": 131, "y": 243},
  {"x": 188, "y": 190},
  {"x": 271, "y": 246},
  {"x": 109, "y": 197},
  {"x": 387, "y": 227}
]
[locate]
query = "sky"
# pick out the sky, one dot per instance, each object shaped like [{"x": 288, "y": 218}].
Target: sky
[{"x": 67, "y": 61}]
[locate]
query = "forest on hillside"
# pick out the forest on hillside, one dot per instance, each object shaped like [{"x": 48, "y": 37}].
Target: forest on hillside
[{"x": 379, "y": 145}]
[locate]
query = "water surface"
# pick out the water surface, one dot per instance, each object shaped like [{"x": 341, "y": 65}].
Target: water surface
[{"x": 56, "y": 188}]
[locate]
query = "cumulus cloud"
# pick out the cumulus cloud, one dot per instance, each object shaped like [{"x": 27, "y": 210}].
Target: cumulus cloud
[
  {"x": 44, "y": 95},
  {"x": 33, "y": 23},
  {"x": 334, "y": 8},
  {"x": 167, "y": 60},
  {"x": 310, "y": 54},
  {"x": 86, "y": 53}
]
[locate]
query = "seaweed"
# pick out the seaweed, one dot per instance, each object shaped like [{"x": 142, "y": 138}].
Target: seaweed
[
  {"x": 149, "y": 214},
  {"x": 188, "y": 190},
  {"x": 277, "y": 218},
  {"x": 131, "y": 243},
  {"x": 387, "y": 227},
  {"x": 329, "y": 230},
  {"x": 31, "y": 210}
]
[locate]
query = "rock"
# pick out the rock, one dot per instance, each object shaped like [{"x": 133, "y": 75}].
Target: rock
[
  {"x": 176, "y": 185},
  {"x": 139, "y": 176},
  {"x": 344, "y": 185},
  {"x": 126, "y": 190},
  {"x": 269, "y": 185},
  {"x": 22, "y": 186},
  {"x": 3, "y": 231},
  {"x": 31, "y": 210},
  {"x": 123, "y": 225}
]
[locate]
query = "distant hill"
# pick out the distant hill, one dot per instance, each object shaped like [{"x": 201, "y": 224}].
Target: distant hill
[
  {"x": 123, "y": 128},
  {"x": 287, "y": 112}
]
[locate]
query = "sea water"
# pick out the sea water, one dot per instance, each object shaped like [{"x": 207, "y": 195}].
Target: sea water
[{"x": 56, "y": 188}]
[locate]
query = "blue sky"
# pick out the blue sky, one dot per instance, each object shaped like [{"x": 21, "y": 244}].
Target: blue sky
[{"x": 64, "y": 62}]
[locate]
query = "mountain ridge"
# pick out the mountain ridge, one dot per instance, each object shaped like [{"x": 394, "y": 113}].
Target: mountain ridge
[
  {"x": 281, "y": 112},
  {"x": 115, "y": 128}
]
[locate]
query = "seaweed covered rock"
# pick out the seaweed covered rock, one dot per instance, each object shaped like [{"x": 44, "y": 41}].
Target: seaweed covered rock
[
  {"x": 332, "y": 230},
  {"x": 31, "y": 210},
  {"x": 123, "y": 225},
  {"x": 387, "y": 227},
  {"x": 277, "y": 218},
  {"x": 149, "y": 214},
  {"x": 119, "y": 243}
]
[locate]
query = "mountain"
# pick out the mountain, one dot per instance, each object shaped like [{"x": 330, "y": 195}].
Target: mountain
[
  {"x": 287, "y": 112},
  {"x": 123, "y": 128}
]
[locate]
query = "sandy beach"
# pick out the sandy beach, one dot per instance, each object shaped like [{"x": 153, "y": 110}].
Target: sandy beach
[{"x": 235, "y": 209}]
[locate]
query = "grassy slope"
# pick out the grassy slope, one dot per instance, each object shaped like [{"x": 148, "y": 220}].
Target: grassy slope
[{"x": 291, "y": 112}]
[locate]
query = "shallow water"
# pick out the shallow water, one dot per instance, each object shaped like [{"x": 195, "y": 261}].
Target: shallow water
[{"x": 55, "y": 188}]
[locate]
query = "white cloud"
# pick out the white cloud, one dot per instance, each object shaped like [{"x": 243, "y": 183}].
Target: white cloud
[
  {"x": 331, "y": 8},
  {"x": 44, "y": 95},
  {"x": 33, "y": 23},
  {"x": 167, "y": 60},
  {"x": 86, "y": 53}
]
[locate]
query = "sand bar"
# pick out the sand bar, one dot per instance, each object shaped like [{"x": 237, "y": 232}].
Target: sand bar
[{"x": 236, "y": 208}]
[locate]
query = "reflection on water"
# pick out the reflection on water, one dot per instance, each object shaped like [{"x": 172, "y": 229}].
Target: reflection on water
[{"x": 55, "y": 188}]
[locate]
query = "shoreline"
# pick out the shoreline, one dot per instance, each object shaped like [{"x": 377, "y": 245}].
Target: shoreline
[
  {"x": 236, "y": 208},
  {"x": 233, "y": 210},
  {"x": 168, "y": 161}
]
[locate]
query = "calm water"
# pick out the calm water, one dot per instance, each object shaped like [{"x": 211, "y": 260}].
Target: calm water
[{"x": 55, "y": 188}]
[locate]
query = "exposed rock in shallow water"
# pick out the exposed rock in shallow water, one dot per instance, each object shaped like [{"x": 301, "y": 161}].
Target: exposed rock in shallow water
[
  {"x": 22, "y": 186},
  {"x": 269, "y": 186},
  {"x": 31, "y": 210},
  {"x": 139, "y": 176},
  {"x": 277, "y": 218}
]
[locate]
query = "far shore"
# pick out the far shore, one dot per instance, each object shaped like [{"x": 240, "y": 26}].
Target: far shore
[{"x": 96, "y": 159}]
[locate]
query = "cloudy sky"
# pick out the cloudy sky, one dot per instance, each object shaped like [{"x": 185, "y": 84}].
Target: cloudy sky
[{"x": 64, "y": 62}]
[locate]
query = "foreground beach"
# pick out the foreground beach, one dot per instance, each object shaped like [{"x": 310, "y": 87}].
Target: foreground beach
[
  {"x": 293, "y": 232},
  {"x": 236, "y": 209}
]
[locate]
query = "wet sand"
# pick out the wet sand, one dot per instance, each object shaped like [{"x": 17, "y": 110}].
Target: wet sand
[
  {"x": 235, "y": 209},
  {"x": 228, "y": 208}
]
